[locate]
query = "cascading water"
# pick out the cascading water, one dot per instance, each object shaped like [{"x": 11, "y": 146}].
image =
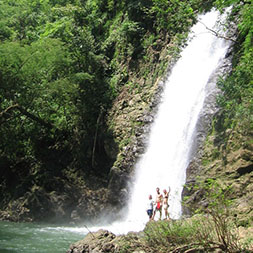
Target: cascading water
[
  {"x": 169, "y": 147},
  {"x": 167, "y": 157}
]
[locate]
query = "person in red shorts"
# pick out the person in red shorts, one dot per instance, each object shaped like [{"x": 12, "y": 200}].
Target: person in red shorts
[{"x": 159, "y": 203}]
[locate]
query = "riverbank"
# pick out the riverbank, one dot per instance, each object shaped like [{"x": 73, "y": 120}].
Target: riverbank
[{"x": 197, "y": 234}]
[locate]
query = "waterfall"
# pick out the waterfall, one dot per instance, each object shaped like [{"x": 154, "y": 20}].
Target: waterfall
[{"x": 168, "y": 152}]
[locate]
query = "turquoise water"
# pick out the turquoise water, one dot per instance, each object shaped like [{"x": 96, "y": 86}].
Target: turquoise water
[{"x": 42, "y": 238}]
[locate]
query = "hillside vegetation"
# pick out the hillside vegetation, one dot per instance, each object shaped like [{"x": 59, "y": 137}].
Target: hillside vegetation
[{"x": 76, "y": 79}]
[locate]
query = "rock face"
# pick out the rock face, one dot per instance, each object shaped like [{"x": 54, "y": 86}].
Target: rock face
[
  {"x": 101, "y": 241},
  {"x": 104, "y": 241},
  {"x": 72, "y": 206},
  {"x": 38, "y": 204},
  {"x": 232, "y": 166}
]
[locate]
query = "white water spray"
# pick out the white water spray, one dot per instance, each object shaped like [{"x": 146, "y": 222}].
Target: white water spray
[{"x": 168, "y": 153}]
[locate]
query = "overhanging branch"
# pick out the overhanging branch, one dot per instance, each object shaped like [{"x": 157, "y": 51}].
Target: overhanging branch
[
  {"x": 217, "y": 34},
  {"x": 7, "y": 114},
  {"x": 8, "y": 110}
]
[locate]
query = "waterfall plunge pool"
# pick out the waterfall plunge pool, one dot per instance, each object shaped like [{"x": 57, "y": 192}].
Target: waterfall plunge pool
[{"x": 35, "y": 237}]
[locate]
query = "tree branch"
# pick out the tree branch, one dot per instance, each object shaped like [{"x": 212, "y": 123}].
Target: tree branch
[
  {"x": 192, "y": 247},
  {"x": 95, "y": 138},
  {"x": 7, "y": 110},
  {"x": 6, "y": 114},
  {"x": 217, "y": 34}
]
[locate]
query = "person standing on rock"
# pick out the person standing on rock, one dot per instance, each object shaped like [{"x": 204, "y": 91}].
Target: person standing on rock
[
  {"x": 165, "y": 203},
  {"x": 150, "y": 207},
  {"x": 159, "y": 203}
]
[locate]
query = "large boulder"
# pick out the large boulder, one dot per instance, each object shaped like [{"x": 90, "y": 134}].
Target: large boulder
[
  {"x": 100, "y": 241},
  {"x": 105, "y": 241}
]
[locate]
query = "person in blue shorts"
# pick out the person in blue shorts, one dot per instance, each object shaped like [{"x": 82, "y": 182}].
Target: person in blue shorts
[{"x": 150, "y": 207}]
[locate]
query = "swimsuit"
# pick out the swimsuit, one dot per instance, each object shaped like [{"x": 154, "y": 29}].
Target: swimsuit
[{"x": 165, "y": 203}]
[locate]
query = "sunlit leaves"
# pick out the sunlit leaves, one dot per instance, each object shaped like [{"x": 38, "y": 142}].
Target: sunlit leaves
[
  {"x": 35, "y": 78},
  {"x": 236, "y": 100},
  {"x": 169, "y": 15}
]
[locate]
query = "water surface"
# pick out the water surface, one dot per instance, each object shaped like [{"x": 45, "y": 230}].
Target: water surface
[{"x": 42, "y": 238}]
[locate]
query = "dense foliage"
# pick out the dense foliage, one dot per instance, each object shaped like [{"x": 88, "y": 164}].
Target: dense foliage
[
  {"x": 62, "y": 64},
  {"x": 236, "y": 100}
]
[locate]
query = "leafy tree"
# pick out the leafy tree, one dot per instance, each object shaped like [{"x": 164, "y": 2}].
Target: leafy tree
[
  {"x": 237, "y": 88},
  {"x": 33, "y": 87}
]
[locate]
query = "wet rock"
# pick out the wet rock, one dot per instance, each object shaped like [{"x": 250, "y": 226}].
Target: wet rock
[
  {"x": 118, "y": 182},
  {"x": 90, "y": 205},
  {"x": 75, "y": 218},
  {"x": 105, "y": 241}
]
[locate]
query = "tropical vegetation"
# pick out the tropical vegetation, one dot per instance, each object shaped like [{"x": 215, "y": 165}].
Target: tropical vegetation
[{"x": 64, "y": 63}]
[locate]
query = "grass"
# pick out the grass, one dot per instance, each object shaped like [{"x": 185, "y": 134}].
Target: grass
[{"x": 214, "y": 228}]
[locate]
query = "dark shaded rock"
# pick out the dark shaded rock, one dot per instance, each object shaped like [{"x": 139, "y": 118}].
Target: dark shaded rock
[
  {"x": 75, "y": 218},
  {"x": 111, "y": 148},
  {"x": 37, "y": 204},
  {"x": 243, "y": 170},
  {"x": 117, "y": 185},
  {"x": 90, "y": 205}
]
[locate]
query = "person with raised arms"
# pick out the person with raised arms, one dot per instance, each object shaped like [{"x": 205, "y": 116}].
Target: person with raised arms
[{"x": 165, "y": 203}]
